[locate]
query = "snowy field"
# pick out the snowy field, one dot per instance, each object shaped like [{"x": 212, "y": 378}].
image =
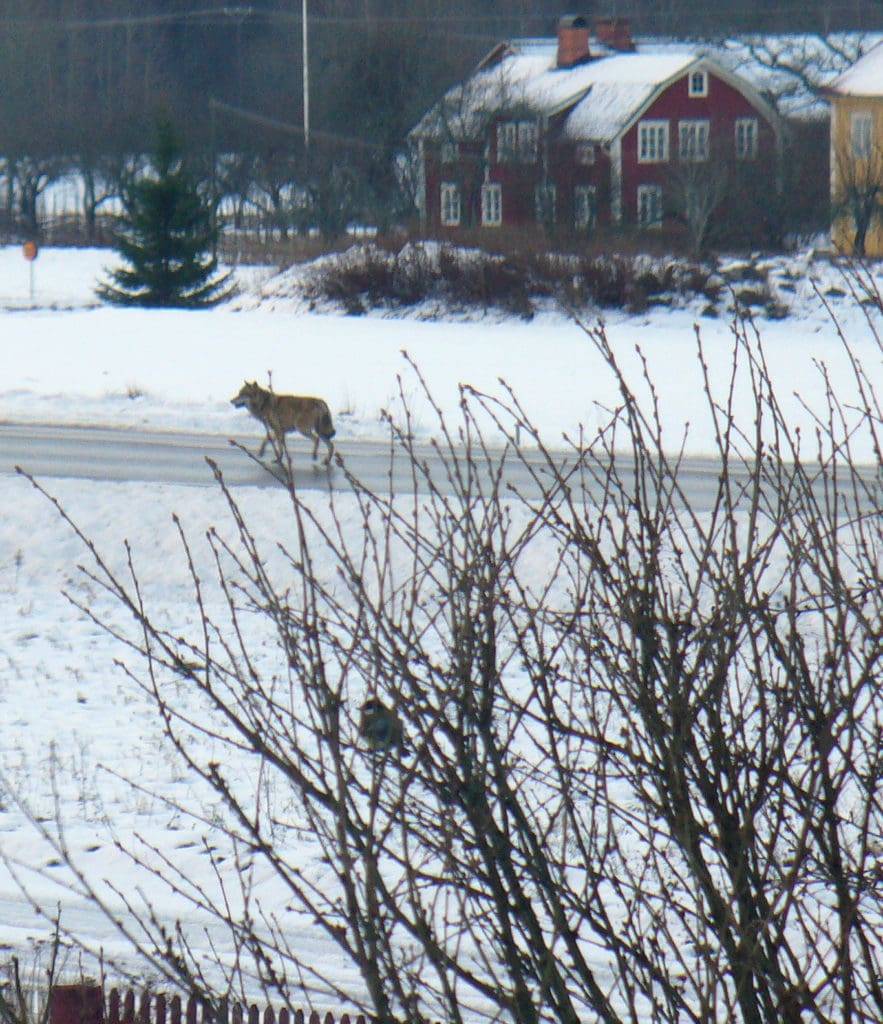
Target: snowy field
[
  {"x": 73, "y": 723},
  {"x": 65, "y": 359}
]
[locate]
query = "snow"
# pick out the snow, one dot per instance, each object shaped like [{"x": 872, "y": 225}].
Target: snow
[
  {"x": 787, "y": 71},
  {"x": 864, "y": 78},
  {"x": 607, "y": 91},
  {"x": 73, "y": 722},
  {"x": 66, "y": 359}
]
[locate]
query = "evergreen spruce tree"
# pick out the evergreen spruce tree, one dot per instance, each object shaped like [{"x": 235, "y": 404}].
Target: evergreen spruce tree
[{"x": 167, "y": 239}]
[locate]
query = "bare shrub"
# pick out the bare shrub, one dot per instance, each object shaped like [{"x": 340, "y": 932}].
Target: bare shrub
[
  {"x": 516, "y": 281},
  {"x": 638, "y": 770},
  {"x": 25, "y": 987}
]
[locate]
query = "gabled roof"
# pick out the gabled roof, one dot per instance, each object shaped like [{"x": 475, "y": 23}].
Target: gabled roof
[
  {"x": 522, "y": 75},
  {"x": 791, "y": 71},
  {"x": 623, "y": 86},
  {"x": 599, "y": 98},
  {"x": 864, "y": 78},
  {"x": 518, "y": 75}
]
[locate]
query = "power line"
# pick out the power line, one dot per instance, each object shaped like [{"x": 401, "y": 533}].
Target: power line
[
  {"x": 684, "y": 8},
  {"x": 225, "y": 14},
  {"x": 293, "y": 129},
  {"x": 133, "y": 20}
]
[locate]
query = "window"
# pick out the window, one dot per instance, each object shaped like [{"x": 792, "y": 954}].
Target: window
[
  {"x": 528, "y": 138},
  {"x": 652, "y": 142},
  {"x": 450, "y": 152},
  {"x": 693, "y": 141},
  {"x": 585, "y": 205},
  {"x": 507, "y": 140},
  {"x": 545, "y": 199},
  {"x": 860, "y": 131},
  {"x": 585, "y": 153},
  {"x": 698, "y": 83},
  {"x": 649, "y": 206},
  {"x": 746, "y": 138},
  {"x": 491, "y": 205},
  {"x": 450, "y": 204},
  {"x": 517, "y": 140}
]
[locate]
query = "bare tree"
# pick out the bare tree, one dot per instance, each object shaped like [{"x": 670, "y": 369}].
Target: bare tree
[
  {"x": 857, "y": 199},
  {"x": 643, "y": 784},
  {"x": 274, "y": 188},
  {"x": 31, "y": 177},
  {"x": 695, "y": 192},
  {"x": 800, "y": 65},
  {"x": 458, "y": 131},
  {"x": 25, "y": 988}
]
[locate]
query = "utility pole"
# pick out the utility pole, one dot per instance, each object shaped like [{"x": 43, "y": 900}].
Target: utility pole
[
  {"x": 213, "y": 146},
  {"x": 306, "y": 55}
]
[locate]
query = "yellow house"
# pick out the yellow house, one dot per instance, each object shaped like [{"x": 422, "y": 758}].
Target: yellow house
[{"x": 856, "y": 99}]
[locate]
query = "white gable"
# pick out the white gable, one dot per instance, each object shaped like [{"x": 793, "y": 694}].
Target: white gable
[{"x": 864, "y": 78}]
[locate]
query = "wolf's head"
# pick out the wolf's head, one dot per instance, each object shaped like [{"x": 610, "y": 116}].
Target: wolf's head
[{"x": 249, "y": 395}]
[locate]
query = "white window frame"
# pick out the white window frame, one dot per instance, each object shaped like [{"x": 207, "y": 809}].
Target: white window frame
[
  {"x": 546, "y": 203},
  {"x": 653, "y": 142},
  {"x": 585, "y": 206},
  {"x": 585, "y": 153},
  {"x": 491, "y": 205},
  {"x": 450, "y": 204},
  {"x": 747, "y": 136},
  {"x": 517, "y": 141},
  {"x": 528, "y": 141},
  {"x": 507, "y": 141},
  {"x": 697, "y": 84},
  {"x": 861, "y": 134},
  {"x": 649, "y": 206},
  {"x": 450, "y": 152},
  {"x": 693, "y": 140}
]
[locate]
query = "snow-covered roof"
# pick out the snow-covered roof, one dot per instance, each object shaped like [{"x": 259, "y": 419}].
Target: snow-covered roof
[
  {"x": 621, "y": 86},
  {"x": 864, "y": 78},
  {"x": 788, "y": 72},
  {"x": 523, "y": 75}
]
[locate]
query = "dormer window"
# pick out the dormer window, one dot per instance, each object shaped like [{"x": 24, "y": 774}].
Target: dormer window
[
  {"x": 698, "y": 84},
  {"x": 517, "y": 141},
  {"x": 450, "y": 152},
  {"x": 585, "y": 153}
]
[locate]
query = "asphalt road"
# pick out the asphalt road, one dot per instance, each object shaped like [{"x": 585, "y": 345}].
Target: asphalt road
[
  {"x": 103, "y": 453},
  {"x": 175, "y": 457}
]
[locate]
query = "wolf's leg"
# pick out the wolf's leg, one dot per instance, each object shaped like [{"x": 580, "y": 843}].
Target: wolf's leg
[
  {"x": 315, "y": 438},
  {"x": 330, "y": 444},
  {"x": 280, "y": 448},
  {"x": 263, "y": 446}
]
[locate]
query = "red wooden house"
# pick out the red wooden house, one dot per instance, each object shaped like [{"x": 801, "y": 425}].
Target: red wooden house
[{"x": 587, "y": 129}]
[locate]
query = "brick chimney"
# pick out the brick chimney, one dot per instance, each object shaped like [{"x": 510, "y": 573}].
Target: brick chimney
[
  {"x": 615, "y": 33},
  {"x": 573, "y": 40}
]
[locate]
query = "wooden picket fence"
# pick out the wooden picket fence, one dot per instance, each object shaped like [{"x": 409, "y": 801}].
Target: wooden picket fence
[{"x": 86, "y": 1004}]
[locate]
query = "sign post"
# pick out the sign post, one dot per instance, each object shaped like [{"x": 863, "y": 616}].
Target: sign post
[{"x": 29, "y": 250}]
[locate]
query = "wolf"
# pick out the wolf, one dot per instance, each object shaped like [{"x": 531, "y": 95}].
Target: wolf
[{"x": 284, "y": 414}]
